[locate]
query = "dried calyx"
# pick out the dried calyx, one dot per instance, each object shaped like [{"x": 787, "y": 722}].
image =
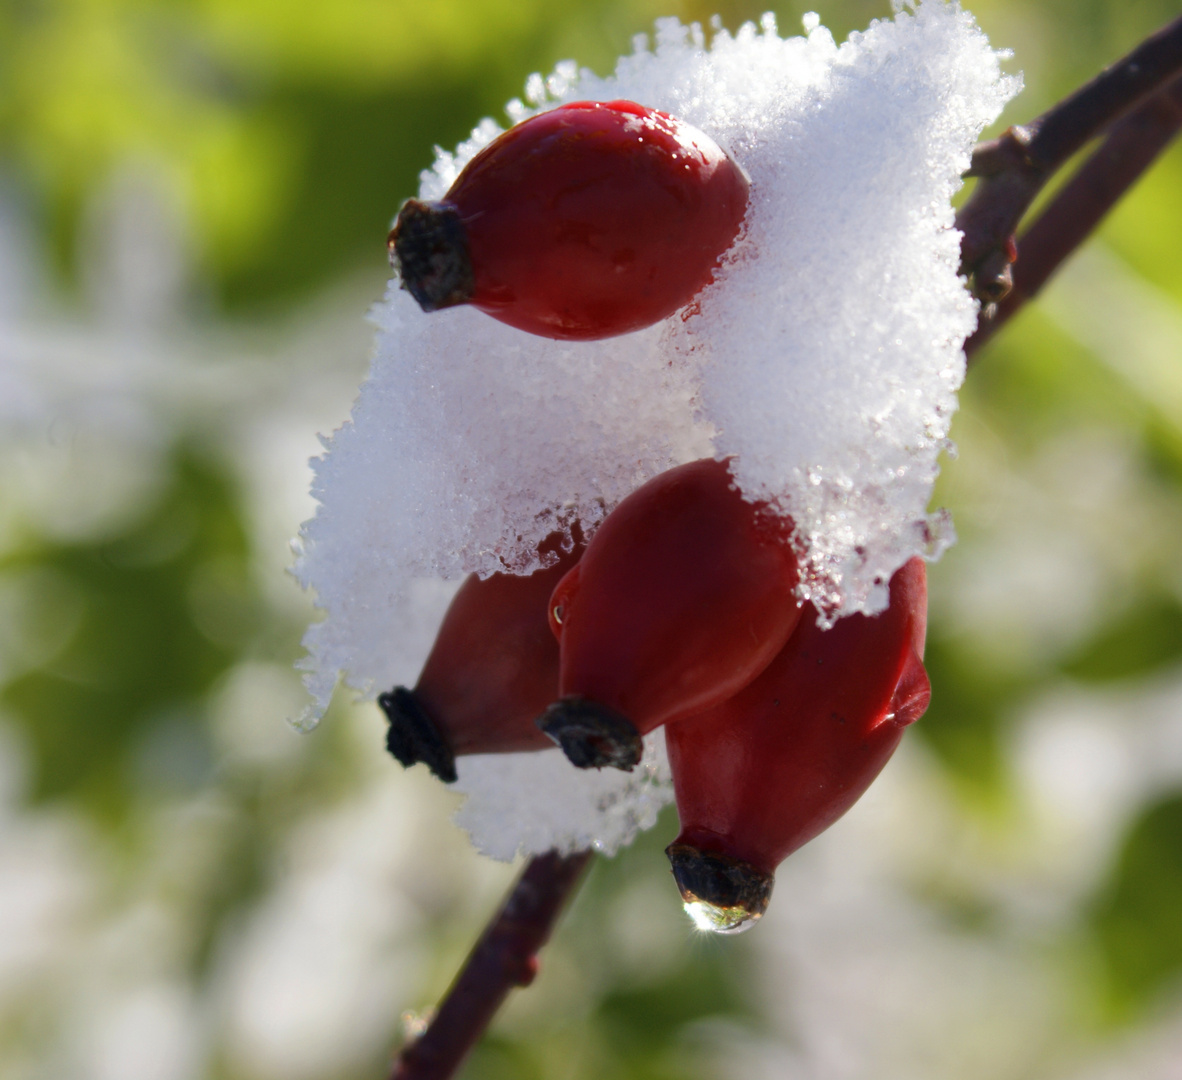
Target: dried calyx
[
  {"x": 429, "y": 248},
  {"x": 414, "y": 737},
  {"x": 721, "y": 893},
  {"x": 592, "y": 735}
]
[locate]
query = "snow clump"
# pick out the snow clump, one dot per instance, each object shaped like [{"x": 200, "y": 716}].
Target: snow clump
[{"x": 825, "y": 359}]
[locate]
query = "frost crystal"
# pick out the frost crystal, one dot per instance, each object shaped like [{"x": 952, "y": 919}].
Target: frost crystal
[{"x": 825, "y": 359}]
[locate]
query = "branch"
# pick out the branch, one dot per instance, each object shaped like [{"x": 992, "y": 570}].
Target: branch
[
  {"x": 1130, "y": 148},
  {"x": 504, "y": 957},
  {"x": 1014, "y": 167}
]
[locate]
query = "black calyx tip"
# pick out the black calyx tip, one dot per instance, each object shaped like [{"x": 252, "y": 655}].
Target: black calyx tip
[
  {"x": 414, "y": 736},
  {"x": 592, "y": 735},
  {"x": 429, "y": 248},
  {"x": 722, "y": 893}
]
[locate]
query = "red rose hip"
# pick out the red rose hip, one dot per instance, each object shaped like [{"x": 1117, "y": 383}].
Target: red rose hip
[
  {"x": 492, "y": 669},
  {"x": 766, "y": 771},
  {"x": 587, "y": 221},
  {"x": 682, "y": 597}
]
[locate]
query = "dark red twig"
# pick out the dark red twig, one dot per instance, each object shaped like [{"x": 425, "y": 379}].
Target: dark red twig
[
  {"x": 1013, "y": 168},
  {"x": 1131, "y": 147},
  {"x": 504, "y": 957}
]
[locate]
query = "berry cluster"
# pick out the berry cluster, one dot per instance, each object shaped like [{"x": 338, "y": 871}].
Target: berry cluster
[{"x": 681, "y": 611}]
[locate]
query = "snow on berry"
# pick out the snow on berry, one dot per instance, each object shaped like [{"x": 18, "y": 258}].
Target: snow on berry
[{"x": 825, "y": 358}]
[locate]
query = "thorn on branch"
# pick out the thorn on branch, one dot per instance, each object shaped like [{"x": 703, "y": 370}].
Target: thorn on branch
[{"x": 1005, "y": 153}]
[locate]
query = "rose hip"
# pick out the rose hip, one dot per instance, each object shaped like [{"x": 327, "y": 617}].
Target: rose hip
[
  {"x": 683, "y": 596},
  {"x": 587, "y": 221},
  {"x": 492, "y": 669},
  {"x": 779, "y": 762}
]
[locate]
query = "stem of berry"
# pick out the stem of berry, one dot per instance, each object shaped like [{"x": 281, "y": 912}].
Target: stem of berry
[
  {"x": 1131, "y": 147},
  {"x": 1013, "y": 168},
  {"x": 504, "y": 957}
]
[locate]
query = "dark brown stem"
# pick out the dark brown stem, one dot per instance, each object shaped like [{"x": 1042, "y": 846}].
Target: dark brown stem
[
  {"x": 1013, "y": 168},
  {"x": 1131, "y": 147},
  {"x": 504, "y": 957}
]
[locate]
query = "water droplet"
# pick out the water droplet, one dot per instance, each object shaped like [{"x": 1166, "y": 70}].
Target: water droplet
[
  {"x": 558, "y": 614},
  {"x": 720, "y": 920}
]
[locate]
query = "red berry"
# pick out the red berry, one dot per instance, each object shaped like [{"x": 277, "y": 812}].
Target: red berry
[
  {"x": 683, "y": 596},
  {"x": 492, "y": 669},
  {"x": 782, "y": 760},
  {"x": 587, "y": 221}
]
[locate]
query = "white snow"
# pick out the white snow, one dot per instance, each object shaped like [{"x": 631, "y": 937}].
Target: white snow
[{"x": 825, "y": 358}]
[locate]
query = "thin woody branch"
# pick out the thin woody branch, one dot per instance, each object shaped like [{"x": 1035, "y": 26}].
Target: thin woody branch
[
  {"x": 1130, "y": 148},
  {"x": 504, "y": 957},
  {"x": 1013, "y": 168}
]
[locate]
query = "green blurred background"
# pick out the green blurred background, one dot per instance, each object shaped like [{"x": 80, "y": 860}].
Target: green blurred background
[{"x": 194, "y": 198}]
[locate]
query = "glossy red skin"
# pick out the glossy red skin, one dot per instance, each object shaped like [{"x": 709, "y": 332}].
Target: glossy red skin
[
  {"x": 683, "y": 596},
  {"x": 494, "y": 665},
  {"x": 595, "y": 219},
  {"x": 781, "y": 761}
]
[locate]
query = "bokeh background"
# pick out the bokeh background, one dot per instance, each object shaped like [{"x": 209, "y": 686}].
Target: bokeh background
[{"x": 194, "y": 197}]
